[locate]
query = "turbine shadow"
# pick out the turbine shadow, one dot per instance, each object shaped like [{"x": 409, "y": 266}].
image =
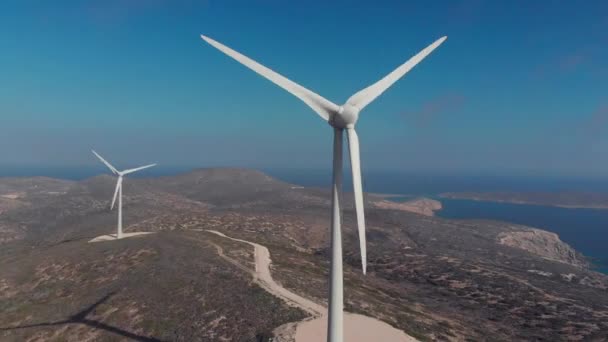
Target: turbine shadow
[{"x": 81, "y": 318}]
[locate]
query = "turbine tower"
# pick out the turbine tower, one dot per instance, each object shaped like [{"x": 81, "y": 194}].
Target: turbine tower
[
  {"x": 341, "y": 118},
  {"x": 118, "y": 190}
]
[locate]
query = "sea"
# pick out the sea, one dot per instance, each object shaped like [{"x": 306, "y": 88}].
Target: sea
[{"x": 584, "y": 229}]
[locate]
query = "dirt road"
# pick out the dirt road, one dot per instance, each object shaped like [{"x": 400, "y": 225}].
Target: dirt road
[{"x": 357, "y": 328}]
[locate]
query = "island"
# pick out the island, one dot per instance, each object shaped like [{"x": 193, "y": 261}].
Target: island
[{"x": 591, "y": 200}]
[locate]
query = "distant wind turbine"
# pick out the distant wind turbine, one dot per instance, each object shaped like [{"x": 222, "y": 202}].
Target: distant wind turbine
[
  {"x": 340, "y": 118},
  {"x": 118, "y": 190}
]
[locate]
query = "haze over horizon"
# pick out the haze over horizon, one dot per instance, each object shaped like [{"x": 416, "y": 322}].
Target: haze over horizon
[{"x": 506, "y": 93}]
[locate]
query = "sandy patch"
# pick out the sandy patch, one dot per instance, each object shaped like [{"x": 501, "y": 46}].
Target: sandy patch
[
  {"x": 14, "y": 195},
  {"x": 357, "y": 328},
  {"x": 111, "y": 237}
]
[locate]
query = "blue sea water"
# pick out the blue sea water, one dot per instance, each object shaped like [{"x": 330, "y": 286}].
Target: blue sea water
[{"x": 584, "y": 229}]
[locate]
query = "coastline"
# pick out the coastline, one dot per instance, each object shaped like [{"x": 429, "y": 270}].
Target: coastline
[
  {"x": 581, "y": 228},
  {"x": 523, "y": 202}
]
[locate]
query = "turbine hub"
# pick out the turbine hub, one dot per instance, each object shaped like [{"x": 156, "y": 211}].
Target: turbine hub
[{"x": 346, "y": 117}]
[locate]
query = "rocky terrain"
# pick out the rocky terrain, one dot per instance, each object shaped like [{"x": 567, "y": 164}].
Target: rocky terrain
[
  {"x": 433, "y": 278},
  {"x": 544, "y": 244},
  {"x": 423, "y": 206}
]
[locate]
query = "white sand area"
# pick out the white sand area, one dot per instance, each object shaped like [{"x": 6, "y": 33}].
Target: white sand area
[
  {"x": 357, "y": 328},
  {"x": 111, "y": 237}
]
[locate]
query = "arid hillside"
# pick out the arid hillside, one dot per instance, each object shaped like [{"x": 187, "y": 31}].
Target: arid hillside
[{"x": 433, "y": 278}]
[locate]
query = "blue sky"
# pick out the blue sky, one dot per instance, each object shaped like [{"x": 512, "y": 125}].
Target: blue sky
[{"x": 517, "y": 87}]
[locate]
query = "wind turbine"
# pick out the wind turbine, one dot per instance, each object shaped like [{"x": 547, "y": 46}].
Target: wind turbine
[
  {"x": 118, "y": 190},
  {"x": 341, "y": 118}
]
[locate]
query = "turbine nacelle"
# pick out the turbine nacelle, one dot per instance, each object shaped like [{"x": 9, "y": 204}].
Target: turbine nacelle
[
  {"x": 341, "y": 118},
  {"x": 120, "y": 174},
  {"x": 346, "y": 117},
  {"x": 118, "y": 189}
]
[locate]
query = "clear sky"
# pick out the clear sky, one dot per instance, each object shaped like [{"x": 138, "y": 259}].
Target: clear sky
[{"x": 519, "y": 86}]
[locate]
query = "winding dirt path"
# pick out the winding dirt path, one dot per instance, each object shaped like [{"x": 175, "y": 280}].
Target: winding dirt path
[
  {"x": 264, "y": 279},
  {"x": 357, "y": 328}
]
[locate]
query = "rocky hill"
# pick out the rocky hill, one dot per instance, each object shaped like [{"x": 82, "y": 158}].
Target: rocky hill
[
  {"x": 544, "y": 244},
  {"x": 434, "y": 278}
]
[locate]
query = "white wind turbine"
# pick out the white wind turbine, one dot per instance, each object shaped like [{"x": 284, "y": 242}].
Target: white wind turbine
[
  {"x": 340, "y": 118},
  {"x": 118, "y": 190}
]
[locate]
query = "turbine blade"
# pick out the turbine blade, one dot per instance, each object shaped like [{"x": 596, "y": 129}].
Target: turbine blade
[
  {"x": 126, "y": 172},
  {"x": 105, "y": 162},
  {"x": 364, "y": 97},
  {"x": 322, "y": 106},
  {"x": 118, "y": 185},
  {"x": 355, "y": 165}
]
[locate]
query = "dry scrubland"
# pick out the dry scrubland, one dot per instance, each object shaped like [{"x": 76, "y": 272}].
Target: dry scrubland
[{"x": 433, "y": 278}]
